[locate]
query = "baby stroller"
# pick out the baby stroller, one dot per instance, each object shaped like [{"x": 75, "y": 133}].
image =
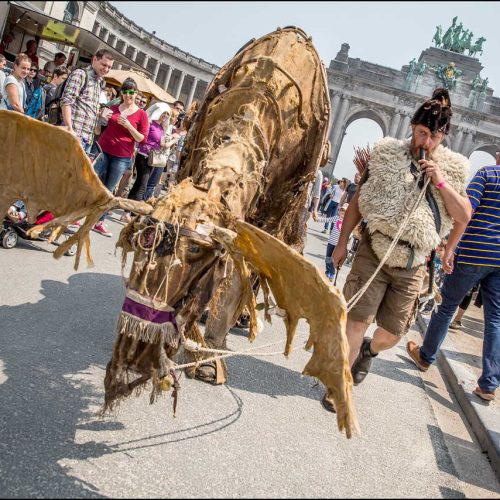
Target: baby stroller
[{"x": 11, "y": 231}]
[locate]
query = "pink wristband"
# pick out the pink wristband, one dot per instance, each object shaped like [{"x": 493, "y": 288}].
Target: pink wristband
[{"x": 441, "y": 184}]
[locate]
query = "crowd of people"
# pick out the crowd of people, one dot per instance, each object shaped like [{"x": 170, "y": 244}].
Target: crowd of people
[
  {"x": 135, "y": 148},
  {"x": 124, "y": 136}
]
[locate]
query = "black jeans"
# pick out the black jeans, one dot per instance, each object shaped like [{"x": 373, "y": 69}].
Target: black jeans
[
  {"x": 141, "y": 181},
  {"x": 328, "y": 259}
]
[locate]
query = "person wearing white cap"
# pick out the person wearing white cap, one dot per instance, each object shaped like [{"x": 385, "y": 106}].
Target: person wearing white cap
[{"x": 159, "y": 115}]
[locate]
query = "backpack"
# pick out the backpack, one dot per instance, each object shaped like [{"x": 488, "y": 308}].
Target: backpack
[
  {"x": 53, "y": 108},
  {"x": 36, "y": 105}
]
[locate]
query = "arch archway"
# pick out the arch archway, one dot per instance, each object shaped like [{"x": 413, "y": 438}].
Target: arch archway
[
  {"x": 481, "y": 157},
  {"x": 359, "y": 131},
  {"x": 72, "y": 12},
  {"x": 369, "y": 114}
]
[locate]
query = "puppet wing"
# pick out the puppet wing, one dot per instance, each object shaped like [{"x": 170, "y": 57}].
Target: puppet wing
[
  {"x": 301, "y": 290},
  {"x": 46, "y": 167}
]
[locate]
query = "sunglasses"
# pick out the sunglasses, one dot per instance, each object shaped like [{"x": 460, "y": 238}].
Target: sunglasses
[
  {"x": 129, "y": 92},
  {"x": 34, "y": 69},
  {"x": 140, "y": 101}
]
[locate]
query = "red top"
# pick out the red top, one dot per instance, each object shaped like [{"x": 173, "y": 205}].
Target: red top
[{"x": 116, "y": 139}]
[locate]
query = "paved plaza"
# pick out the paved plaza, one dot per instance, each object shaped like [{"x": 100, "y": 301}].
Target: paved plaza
[{"x": 263, "y": 434}]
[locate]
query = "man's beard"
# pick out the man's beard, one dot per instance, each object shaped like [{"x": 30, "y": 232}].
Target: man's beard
[{"x": 416, "y": 151}]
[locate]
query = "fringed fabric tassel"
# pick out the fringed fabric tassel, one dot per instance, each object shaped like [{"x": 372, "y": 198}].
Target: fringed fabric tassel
[{"x": 151, "y": 333}]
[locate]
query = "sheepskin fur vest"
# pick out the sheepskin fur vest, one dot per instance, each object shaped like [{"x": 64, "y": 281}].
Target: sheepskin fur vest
[{"x": 389, "y": 192}]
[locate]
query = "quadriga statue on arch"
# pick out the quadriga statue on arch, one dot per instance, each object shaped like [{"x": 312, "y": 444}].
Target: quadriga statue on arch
[{"x": 237, "y": 213}]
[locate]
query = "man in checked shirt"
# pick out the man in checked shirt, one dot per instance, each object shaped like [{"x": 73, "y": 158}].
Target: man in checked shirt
[{"x": 80, "y": 98}]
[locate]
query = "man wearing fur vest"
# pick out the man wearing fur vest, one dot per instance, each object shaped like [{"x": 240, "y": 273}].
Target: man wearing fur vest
[{"x": 386, "y": 194}]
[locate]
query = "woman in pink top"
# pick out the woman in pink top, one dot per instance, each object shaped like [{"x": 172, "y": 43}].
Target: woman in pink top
[{"x": 127, "y": 125}]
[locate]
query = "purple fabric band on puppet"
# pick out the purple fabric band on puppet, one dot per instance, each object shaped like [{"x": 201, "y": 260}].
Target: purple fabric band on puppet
[{"x": 148, "y": 313}]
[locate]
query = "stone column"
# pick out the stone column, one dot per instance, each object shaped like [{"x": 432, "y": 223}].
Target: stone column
[
  {"x": 133, "y": 55},
  {"x": 335, "y": 105},
  {"x": 465, "y": 149},
  {"x": 396, "y": 120},
  {"x": 191, "y": 92},
  {"x": 113, "y": 41},
  {"x": 155, "y": 71},
  {"x": 145, "y": 61},
  {"x": 124, "y": 48},
  {"x": 96, "y": 28},
  {"x": 179, "y": 85},
  {"x": 457, "y": 140},
  {"x": 166, "y": 81},
  {"x": 104, "y": 36},
  {"x": 404, "y": 126},
  {"x": 336, "y": 134}
]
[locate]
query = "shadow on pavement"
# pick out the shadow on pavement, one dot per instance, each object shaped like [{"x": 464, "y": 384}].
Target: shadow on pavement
[
  {"x": 441, "y": 443},
  {"x": 47, "y": 349},
  {"x": 263, "y": 377},
  {"x": 463, "y": 357}
]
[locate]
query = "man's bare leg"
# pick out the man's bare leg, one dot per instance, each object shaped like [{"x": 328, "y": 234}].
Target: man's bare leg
[
  {"x": 383, "y": 340},
  {"x": 355, "y": 331}
]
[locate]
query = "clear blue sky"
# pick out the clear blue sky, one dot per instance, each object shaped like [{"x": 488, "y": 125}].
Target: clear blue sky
[{"x": 387, "y": 33}]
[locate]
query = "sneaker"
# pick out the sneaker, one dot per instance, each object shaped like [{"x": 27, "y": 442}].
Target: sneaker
[
  {"x": 101, "y": 229},
  {"x": 330, "y": 276},
  {"x": 486, "y": 395},
  {"x": 456, "y": 324},
  {"x": 324, "y": 231},
  {"x": 413, "y": 350},
  {"x": 328, "y": 404},
  {"x": 76, "y": 223}
]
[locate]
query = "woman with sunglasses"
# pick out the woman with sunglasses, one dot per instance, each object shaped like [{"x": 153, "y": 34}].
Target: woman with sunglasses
[
  {"x": 127, "y": 124},
  {"x": 159, "y": 115},
  {"x": 13, "y": 91}
]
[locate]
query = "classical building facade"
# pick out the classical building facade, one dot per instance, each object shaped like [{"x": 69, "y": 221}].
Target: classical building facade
[
  {"x": 361, "y": 89},
  {"x": 181, "y": 74}
]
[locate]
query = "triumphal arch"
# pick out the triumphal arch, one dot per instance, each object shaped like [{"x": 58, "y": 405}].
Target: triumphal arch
[{"x": 361, "y": 89}]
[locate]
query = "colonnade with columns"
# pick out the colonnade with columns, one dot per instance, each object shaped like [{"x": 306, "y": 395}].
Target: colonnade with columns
[{"x": 135, "y": 55}]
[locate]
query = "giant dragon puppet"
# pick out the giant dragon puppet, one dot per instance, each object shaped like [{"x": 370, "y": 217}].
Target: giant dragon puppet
[{"x": 237, "y": 214}]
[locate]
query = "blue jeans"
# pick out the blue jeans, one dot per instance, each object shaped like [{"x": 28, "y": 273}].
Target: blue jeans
[
  {"x": 454, "y": 289},
  {"x": 110, "y": 169},
  {"x": 153, "y": 180},
  {"x": 85, "y": 145},
  {"x": 331, "y": 212}
]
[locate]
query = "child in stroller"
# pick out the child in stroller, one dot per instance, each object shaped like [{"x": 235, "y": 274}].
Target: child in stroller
[{"x": 16, "y": 225}]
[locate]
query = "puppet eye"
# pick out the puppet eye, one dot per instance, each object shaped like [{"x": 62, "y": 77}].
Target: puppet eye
[{"x": 194, "y": 249}]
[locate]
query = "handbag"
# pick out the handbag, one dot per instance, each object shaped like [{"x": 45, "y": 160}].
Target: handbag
[{"x": 157, "y": 157}]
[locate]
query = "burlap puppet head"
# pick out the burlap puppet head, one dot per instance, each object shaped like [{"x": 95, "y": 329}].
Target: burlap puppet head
[{"x": 435, "y": 113}]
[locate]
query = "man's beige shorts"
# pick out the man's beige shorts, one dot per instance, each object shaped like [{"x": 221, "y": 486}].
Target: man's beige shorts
[{"x": 392, "y": 297}]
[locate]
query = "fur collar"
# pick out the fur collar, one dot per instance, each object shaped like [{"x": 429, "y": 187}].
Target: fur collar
[{"x": 389, "y": 192}]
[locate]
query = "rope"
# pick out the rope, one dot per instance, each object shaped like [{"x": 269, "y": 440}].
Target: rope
[
  {"x": 352, "y": 302},
  {"x": 193, "y": 346}
]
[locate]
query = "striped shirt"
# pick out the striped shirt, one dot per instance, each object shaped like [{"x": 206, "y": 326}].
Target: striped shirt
[
  {"x": 480, "y": 243},
  {"x": 84, "y": 101},
  {"x": 336, "y": 227}
]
